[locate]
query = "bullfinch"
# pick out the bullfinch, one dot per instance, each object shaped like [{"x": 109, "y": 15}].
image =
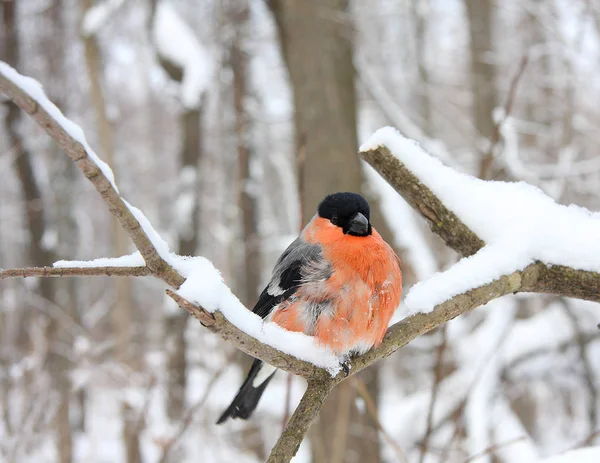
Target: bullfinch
[{"x": 339, "y": 281}]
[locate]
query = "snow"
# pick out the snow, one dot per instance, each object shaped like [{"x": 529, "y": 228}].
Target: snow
[
  {"x": 585, "y": 455},
  {"x": 99, "y": 15},
  {"x": 35, "y": 90},
  {"x": 157, "y": 241},
  {"x": 517, "y": 221},
  {"x": 131, "y": 260},
  {"x": 177, "y": 43},
  {"x": 205, "y": 287}
]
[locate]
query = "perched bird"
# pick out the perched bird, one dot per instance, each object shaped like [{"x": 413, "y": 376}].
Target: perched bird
[{"x": 339, "y": 281}]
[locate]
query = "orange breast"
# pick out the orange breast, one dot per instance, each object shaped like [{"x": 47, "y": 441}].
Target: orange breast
[{"x": 362, "y": 293}]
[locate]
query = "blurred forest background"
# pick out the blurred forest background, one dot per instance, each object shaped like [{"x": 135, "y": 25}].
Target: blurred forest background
[{"x": 204, "y": 109}]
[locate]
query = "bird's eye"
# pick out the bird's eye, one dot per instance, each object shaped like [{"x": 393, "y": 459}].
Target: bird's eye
[{"x": 335, "y": 220}]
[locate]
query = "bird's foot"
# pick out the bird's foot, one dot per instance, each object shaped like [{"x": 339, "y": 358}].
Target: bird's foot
[{"x": 345, "y": 367}]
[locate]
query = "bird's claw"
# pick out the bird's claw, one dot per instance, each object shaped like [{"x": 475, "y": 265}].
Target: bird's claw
[{"x": 345, "y": 367}]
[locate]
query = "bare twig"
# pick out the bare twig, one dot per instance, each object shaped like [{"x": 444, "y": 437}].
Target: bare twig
[
  {"x": 587, "y": 441},
  {"x": 438, "y": 371},
  {"x": 75, "y": 150},
  {"x": 188, "y": 418},
  {"x": 46, "y": 272},
  {"x": 371, "y": 407},
  {"x": 488, "y": 157},
  {"x": 494, "y": 447},
  {"x": 586, "y": 364}
]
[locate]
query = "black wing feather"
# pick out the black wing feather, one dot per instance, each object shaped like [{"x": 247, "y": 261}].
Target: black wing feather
[
  {"x": 289, "y": 282},
  {"x": 288, "y": 275}
]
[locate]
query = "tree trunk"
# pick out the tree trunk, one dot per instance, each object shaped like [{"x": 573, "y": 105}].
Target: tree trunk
[
  {"x": 480, "y": 15},
  {"x": 122, "y": 311},
  {"x": 176, "y": 322},
  {"x": 238, "y": 18},
  {"x": 316, "y": 42},
  {"x": 39, "y": 254},
  {"x": 420, "y": 10},
  {"x": 246, "y": 197},
  {"x": 190, "y": 122}
]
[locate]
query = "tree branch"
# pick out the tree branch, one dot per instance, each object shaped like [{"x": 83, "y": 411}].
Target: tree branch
[
  {"x": 75, "y": 150},
  {"x": 441, "y": 220},
  {"x": 288, "y": 443},
  {"x": 46, "y": 272},
  {"x": 415, "y": 325},
  {"x": 540, "y": 278},
  {"x": 218, "y": 324}
]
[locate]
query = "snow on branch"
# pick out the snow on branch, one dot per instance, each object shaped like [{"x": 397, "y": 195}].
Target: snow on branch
[
  {"x": 29, "y": 95},
  {"x": 501, "y": 228}
]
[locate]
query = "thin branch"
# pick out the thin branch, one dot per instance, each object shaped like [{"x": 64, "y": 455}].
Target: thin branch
[
  {"x": 46, "y": 272},
  {"x": 589, "y": 440},
  {"x": 438, "y": 371},
  {"x": 76, "y": 151},
  {"x": 586, "y": 364},
  {"x": 488, "y": 157},
  {"x": 371, "y": 407},
  {"x": 188, "y": 418},
  {"x": 494, "y": 447}
]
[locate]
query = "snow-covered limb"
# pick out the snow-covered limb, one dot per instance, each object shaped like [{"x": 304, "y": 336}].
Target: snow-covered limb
[
  {"x": 501, "y": 227},
  {"x": 28, "y": 94},
  {"x": 217, "y": 323}
]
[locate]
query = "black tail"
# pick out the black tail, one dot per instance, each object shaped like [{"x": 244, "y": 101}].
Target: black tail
[{"x": 248, "y": 396}]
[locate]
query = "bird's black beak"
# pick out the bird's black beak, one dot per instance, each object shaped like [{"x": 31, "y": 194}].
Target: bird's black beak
[{"x": 359, "y": 225}]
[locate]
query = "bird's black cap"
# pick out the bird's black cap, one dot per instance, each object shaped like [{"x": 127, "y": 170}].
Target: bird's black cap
[{"x": 342, "y": 208}]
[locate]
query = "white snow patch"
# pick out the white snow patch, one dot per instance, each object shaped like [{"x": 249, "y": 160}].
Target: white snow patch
[
  {"x": 35, "y": 90},
  {"x": 130, "y": 260},
  {"x": 177, "y": 43},
  {"x": 518, "y": 222},
  {"x": 98, "y": 16},
  {"x": 205, "y": 287},
  {"x": 157, "y": 241}
]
